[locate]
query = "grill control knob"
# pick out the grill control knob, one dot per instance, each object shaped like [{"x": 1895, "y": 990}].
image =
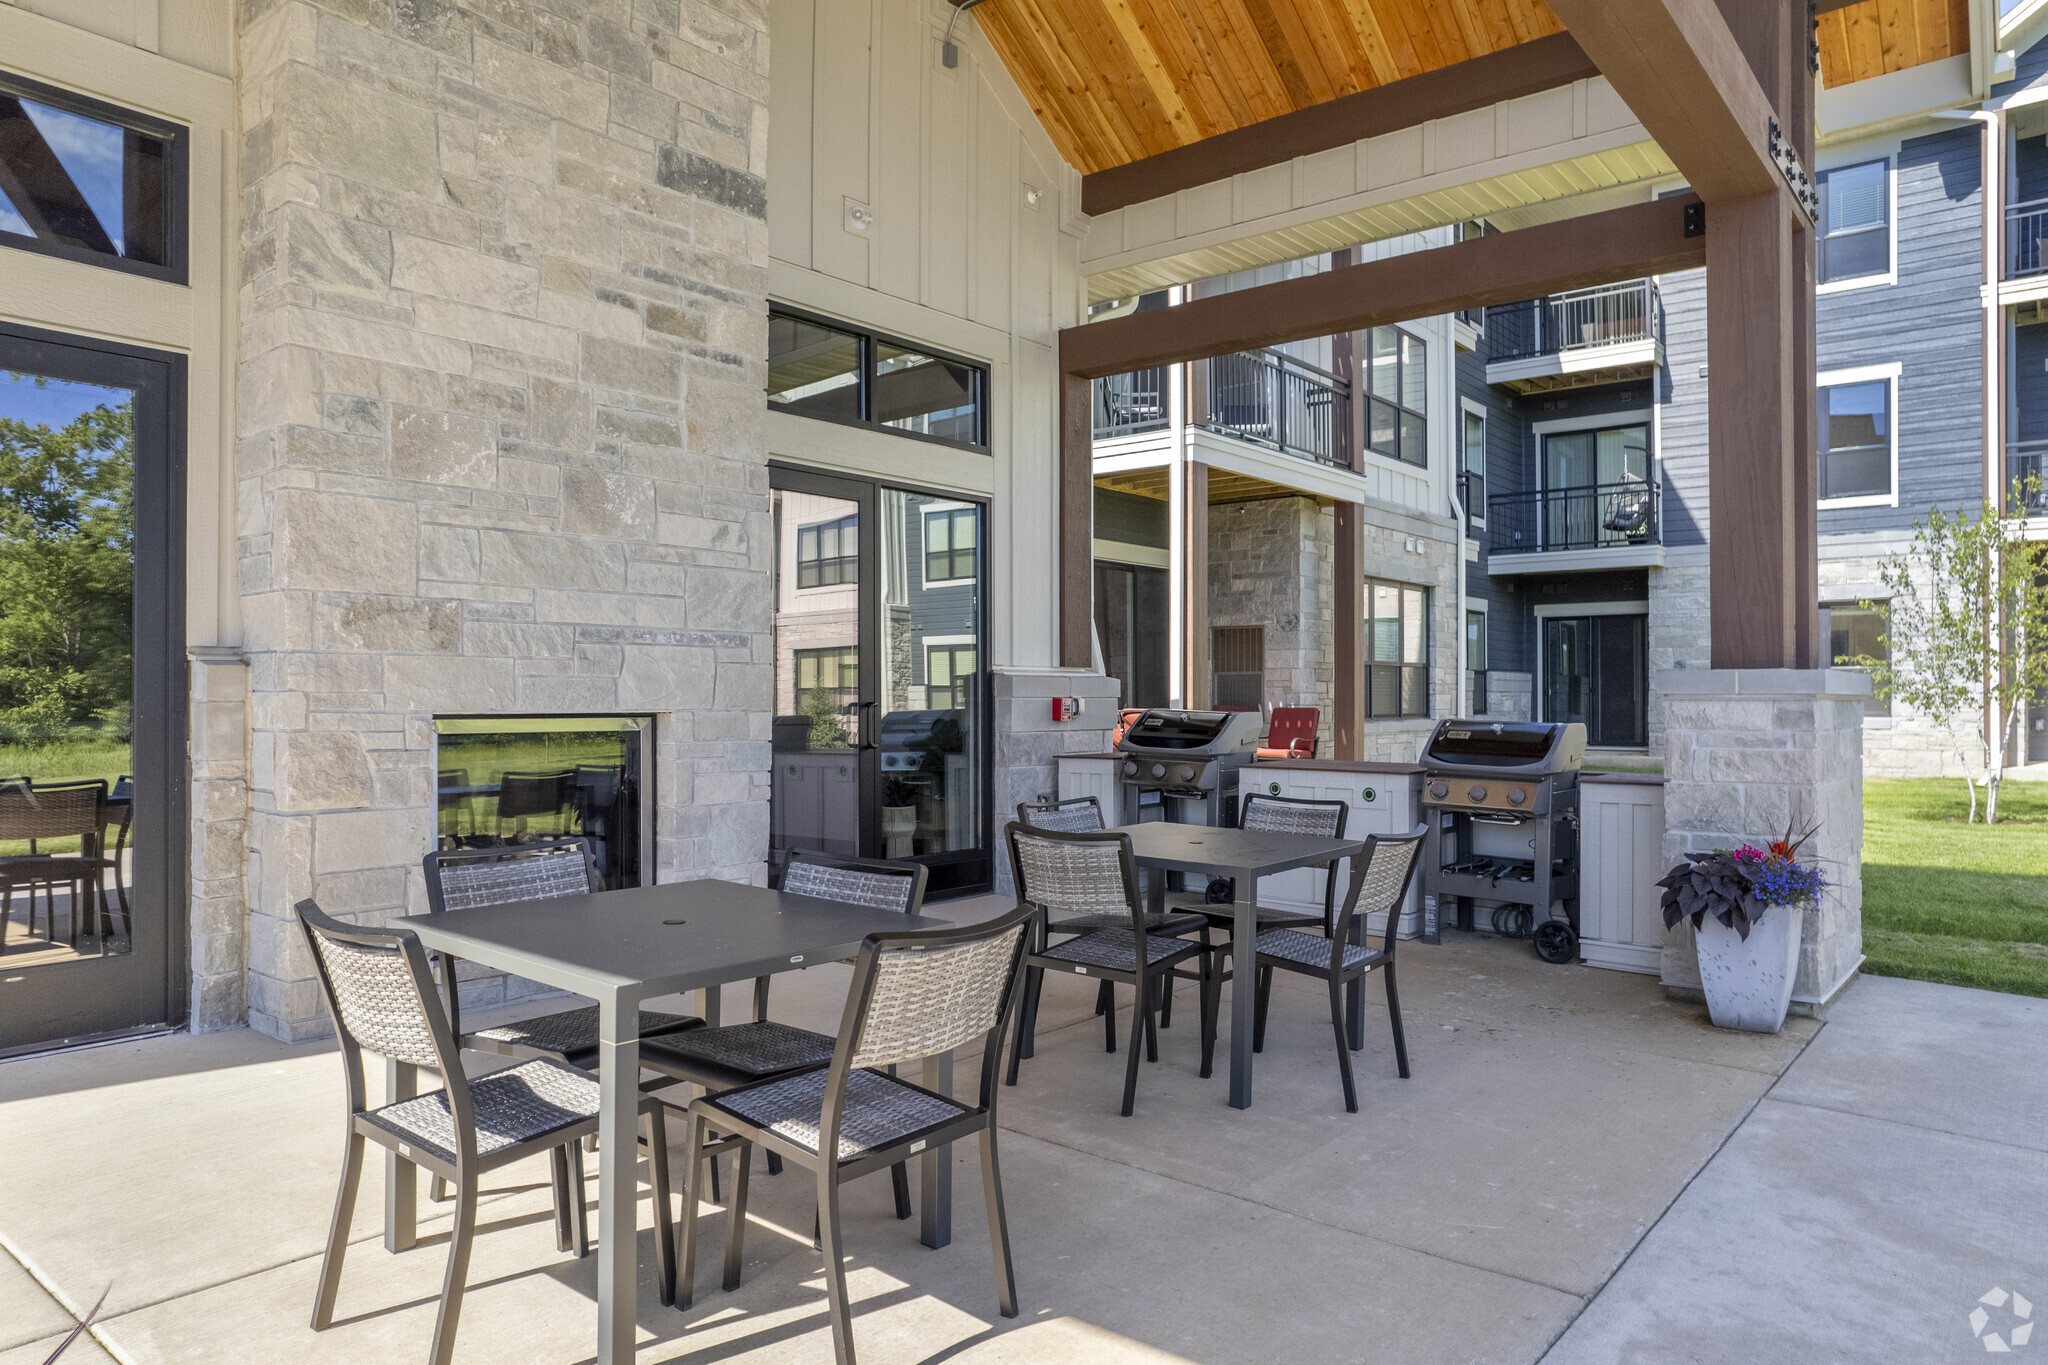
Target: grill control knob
[
  {"x": 1130, "y": 769},
  {"x": 1158, "y": 770},
  {"x": 1517, "y": 796},
  {"x": 1476, "y": 792},
  {"x": 1187, "y": 774},
  {"x": 1439, "y": 790}
]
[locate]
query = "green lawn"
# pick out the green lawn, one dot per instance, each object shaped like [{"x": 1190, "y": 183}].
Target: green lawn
[{"x": 1953, "y": 902}]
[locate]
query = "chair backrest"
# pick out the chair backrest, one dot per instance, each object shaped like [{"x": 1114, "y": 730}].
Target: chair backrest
[
  {"x": 1125, "y": 719},
  {"x": 1074, "y": 815},
  {"x": 462, "y": 879},
  {"x": 1079, "y": 873},
  {"x": 869, "y": 882},
  {"x": 451, "y": 777},
  {"x": 1293, "y": 726},
  {"x": 1293, "y": 815},
  {"x": 919, "y": 993},
  {"x": 56, "y": 811},
  {"x": 1379, "y": 883},
  {"x": 526, "y": 794}
]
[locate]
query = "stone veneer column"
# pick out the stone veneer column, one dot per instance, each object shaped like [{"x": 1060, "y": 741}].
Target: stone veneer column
[
  {"x": 1747, "y": 752},
  {"x": 1028, "y": 742},
  {"x": 502, "y": 433},
  {"x": 219, "y": 830}
]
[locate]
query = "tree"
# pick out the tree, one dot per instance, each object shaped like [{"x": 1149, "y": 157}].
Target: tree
[
  {"x": 67, "y": 548},
  {"x": 1966, "y": 631}
]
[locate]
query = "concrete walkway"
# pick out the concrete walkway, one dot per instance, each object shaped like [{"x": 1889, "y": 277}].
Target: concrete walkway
[{"x": 1471, "y": 1213}]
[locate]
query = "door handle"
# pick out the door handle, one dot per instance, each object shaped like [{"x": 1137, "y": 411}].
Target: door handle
[{"x": 865, "y": 726}]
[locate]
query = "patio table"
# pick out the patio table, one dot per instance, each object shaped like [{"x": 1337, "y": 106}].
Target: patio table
[
  {"x": 1246, "y": 855},
  {"x": 620, "y": 948}
]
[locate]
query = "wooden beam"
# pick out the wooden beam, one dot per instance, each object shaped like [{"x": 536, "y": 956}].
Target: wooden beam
[
  {"x": 1077, "y": 523},
  {"x": 1195, "y": 677},
  {"x": 1347, "y": 568},
  {"x": 1681, "y": 73},
  {"x": 1525, "y": 69},
  {"x": 1598, "y": 248}
]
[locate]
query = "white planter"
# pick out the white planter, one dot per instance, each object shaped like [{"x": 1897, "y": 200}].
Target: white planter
[
  {"x": 1748, "y": 981},
  {"x": 899, "y": 826}
]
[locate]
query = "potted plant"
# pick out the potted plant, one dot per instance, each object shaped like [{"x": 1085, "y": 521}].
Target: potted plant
[
  {"x": 1747, "y": 905},
  {"x": 899, "y": 816}
]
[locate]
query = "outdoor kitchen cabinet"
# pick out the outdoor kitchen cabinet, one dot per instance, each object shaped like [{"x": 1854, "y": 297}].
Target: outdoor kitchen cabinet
[
  {"x": 1621, "y": 919},
  {"x": 1385, "y": 798}
]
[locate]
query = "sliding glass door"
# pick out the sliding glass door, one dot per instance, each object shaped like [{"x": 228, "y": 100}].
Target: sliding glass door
[{"x": 881, "y": 698}]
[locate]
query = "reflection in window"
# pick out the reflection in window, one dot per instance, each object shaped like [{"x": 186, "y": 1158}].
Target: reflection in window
[
  {"x": 1856, "y": 632},
  {"x": 949, "y": 543},
  {"x": 923, "y": 393},
  {"x": 1397, "y": 627},
  {"x": 1856, "y": 450},
  {"x": 80, "y": 186},
  {"x": 827, "y": 690},
  {"x": 828, "y": 554},
  {"x": 509, "y": 780},
  {"x": 946, "y": 670},
  {"x": 813, "y": 368}
]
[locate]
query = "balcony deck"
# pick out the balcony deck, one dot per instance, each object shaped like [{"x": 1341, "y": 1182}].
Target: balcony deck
[
  {"x": 1564, "y": 530},
  {"x": 1586, "y": 337}
]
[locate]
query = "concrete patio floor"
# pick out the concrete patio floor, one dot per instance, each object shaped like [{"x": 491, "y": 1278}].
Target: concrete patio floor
[{"x": 1471, "y": 1213}]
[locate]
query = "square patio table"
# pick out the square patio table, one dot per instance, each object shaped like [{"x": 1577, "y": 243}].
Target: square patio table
[
  {"x": 1246, "y": 855},
  {"x": 620, "y": 948}
]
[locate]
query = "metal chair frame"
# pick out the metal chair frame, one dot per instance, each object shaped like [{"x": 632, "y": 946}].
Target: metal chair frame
[
  {"x": 834, "y": 1172},
  {"x": 82, "y": 870},
  {"x": 571, "y": 1227}
]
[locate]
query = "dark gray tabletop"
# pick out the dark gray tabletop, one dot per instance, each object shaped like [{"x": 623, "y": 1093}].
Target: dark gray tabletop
[
  {"x": 1227, "y": 852},
  {"x": 721, "y": 931}
]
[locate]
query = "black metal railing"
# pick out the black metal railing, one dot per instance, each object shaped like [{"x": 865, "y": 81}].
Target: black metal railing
[
  {"x": 2026, "y": 479},
  {"x": 1273, "y": 399},
  {"x": 1592, "y": 517},
  {"x": 2026, "y": 238},
  {"x": 1611, "y": 315},
  {"x": 1126, "y": 404}
]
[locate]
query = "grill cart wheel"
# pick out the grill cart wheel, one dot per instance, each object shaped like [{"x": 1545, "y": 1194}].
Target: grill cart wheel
[{"x": 1556, "y": 943}]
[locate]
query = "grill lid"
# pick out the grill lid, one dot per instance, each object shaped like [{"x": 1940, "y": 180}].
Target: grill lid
[
  {"x": 1511, "y": 746},
  {"x": 1160, "y": 731}
]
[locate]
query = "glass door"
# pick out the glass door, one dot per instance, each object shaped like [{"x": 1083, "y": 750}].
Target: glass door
[
  {"x": 880, "y": 729},
  {"x": 92, "y": 689},
  {"x": 1595, "y": 672}
]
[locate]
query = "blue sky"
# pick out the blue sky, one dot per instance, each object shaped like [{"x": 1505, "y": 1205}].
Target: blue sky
[
  {"x": 53, "y": 402},
  {"x": 91, "y": 152}
]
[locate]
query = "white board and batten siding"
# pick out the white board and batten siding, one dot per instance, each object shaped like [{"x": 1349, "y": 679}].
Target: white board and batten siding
[{"x": 1621, "y": 858}]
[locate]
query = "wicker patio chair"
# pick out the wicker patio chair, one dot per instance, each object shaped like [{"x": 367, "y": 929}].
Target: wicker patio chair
[
  {"x": 37, "y": 812},
  {"x": 1379, "y": 883},
  {"x": 913, "y": 995},
  {"x": 1094, "y": 874},
  {"x": 533, "y": 796},
  {"x": 1285, "y": 815},
  {"x": 381, "y": 998},
  {"x": 739, "y": 1054}
]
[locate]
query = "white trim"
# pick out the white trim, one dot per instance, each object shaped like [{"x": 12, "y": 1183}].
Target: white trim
[
  {"x": 1888, "y": 373},
  {"x": 1626, "y": 418},
  {"x": 1123, "y": 552},
  {"x": 1889, "y": 276},
  {"x": 1575, "y": 561},
  {"x": 1545, "y": 610},
  {"x": 1578, "y": 360}
]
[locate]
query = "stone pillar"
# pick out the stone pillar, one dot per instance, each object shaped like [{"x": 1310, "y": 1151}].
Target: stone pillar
[
  {"x": 1028, "y": 741},
  {"x": 1747, "y": 753},
  {"x": 219, "y": 699}
]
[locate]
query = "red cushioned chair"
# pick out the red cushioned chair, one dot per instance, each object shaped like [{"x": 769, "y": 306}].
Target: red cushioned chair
[{"x": 1292, "y": 733}]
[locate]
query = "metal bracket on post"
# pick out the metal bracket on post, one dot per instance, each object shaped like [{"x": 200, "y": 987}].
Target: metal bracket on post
[{"x": 1786, "y": 157}]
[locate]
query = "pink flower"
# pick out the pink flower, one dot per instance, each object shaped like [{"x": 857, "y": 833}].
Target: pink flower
[{"x": 1749, "y": 853}]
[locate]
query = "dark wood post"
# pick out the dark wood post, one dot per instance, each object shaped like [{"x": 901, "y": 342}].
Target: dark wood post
[
  {"x": 1195, "y": 611},
  {"x": 1347, "y": 606},
  {"x": 1077, "y": 522}
]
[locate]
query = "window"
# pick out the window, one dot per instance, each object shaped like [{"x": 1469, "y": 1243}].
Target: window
[
  {"x": 828, "y": 554},
  {"x": 1475, "y": 466},
  {"x": 948, "y": 669},
  {"x": 1237, "y": 668},
  {"x": 89, "y": 182},
  {"x": 1396, "y": 378},
  {"x": 949, "y": 544},
  {"x": 1856, "y": 440},
  {"x": 1856, "y": 632},
  {"x": 827, "y": 688},
  {"x": 829, "y": 370},
  {"x": 1855, "y": 236},
  {"x": 1475, "y": 658},
  {"x": 518, "y": 779},
  {"x": 1397, "y": 666}
]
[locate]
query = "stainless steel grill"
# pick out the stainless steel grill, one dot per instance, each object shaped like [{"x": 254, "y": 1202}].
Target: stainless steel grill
[
  {"x": 1184, "y": 763},
  {"x": 1501, "y": 799}
]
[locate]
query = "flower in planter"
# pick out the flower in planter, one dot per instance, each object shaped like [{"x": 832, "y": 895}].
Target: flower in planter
[{"x": 1737, "y": 887}]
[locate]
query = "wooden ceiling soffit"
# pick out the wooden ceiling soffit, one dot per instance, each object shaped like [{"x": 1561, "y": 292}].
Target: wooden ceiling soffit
[
  {"x": 1512, "y": 73},
  {"x": 1573, "y": 253},
  {"x": 1860, "y": 39},
  {"x": 1117, "y": 81}
]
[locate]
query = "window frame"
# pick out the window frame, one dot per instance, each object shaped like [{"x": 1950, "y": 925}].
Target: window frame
[
  {"x": 1475, "y": 508},
  {"x": 1889, "y": 374},
  {"x": 870, "y": 343},
  {"x": 176, "y": 138},
  {"x": 1890, "y": 228},
  {"x": 838, "y": 525},
  {"x": 949, "y": 511},
  {"x": 1873, "y": 705},
  {"x": 952, "y": 649},
  {"x": 1401, "y": 666},
  {"x": 815, "y": 655},
  {"x": 1403, "y": 339}
]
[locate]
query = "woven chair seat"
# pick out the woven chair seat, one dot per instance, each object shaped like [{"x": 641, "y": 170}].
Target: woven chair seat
[
  {"x": 761, "y": 1047},
  {"x": 1114, "y": 949},
  {"x": 1168, "y": 922},
  {"x": 1311, "y": 950},
  {"x": 879, "y": 1110},
  {"x": 512, "y": 1106},
  {"x": 575, "y": 1030}
]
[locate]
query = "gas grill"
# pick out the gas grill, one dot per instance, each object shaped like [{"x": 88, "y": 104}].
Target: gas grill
[
  {"x": 1501, "y": 800},
  {"x": 1185, "y": 764}
]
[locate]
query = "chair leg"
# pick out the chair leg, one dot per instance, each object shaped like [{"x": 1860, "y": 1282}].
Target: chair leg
[
  {"x": 835, "y": 1264},
  {"x": 458, "y": 1268},
  {"x": 899, "y": 1178},
  {"x": 1394, "y": 1017},
  {"x": 736, "y": 1217},
  {"x": 774, "y": 1163},
  {"x": 579, "y": 1208},
  {"x": 1105, "y": 1000},
  {"x": 686, "y": 1272},
  {"x": 564, "y": 1220},
  {"x": 1264, "y": 988},
  {"x": 1343, "y": 1045},
  {"x": 437, "y": 1190},
  {"x": 1017, "y": 1043},
  {"x": 1154, "y": 988},
  {"x": 1212, "y": 1004},
  {"x": 1108, "y": 1018},
  {"x": 1139, "y": 1021},
  {"x": 1166, "y": 1003},
  {"x": 664, "y": 1219},
  {"x": 1034, "y": 981},
  {"x": 337, "y": 1230},
  {"x": 998, "y": 1224}
]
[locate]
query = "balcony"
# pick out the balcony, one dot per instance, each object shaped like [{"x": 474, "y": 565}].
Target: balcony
[
  {"x": 2026, "y": 239},
  {"x": 1263, "y": 397},
  {"x": 1596, "y": 526},
  {"x": 2026, "y": 464},
  {"x": 1568, "y": 341}
]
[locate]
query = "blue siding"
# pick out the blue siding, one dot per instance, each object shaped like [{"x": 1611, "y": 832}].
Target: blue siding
[{"x": 1682, "y": 396}]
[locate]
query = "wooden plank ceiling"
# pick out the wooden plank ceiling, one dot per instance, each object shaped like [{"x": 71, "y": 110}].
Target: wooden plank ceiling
[{"x": 1116, "y": 80}]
